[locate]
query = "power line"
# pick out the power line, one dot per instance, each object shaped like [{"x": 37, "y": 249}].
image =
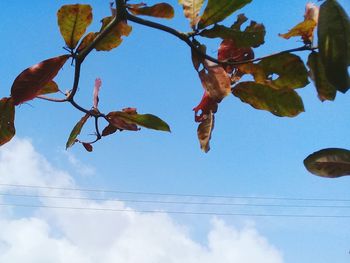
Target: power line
[
  {"x": 172, "y": 194},
  {"x": 176, "y": 212},
  {"x": 172, "y": 202}
]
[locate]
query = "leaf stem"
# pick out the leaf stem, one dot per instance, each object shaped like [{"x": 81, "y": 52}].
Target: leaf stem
[{"x": 51, "y": 99}]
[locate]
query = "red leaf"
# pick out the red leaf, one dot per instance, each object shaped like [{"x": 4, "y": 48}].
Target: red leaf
[
  {"x": 97, "y": 87},
  {"x": 119, "y": 123},
  {"x": 87, "y": 146},
  {"x": 110, "y": 129},
  {"x": 215, "y": 81},
  {"x": 29, "y": 83},
  {"x": 206, "y": 106},
  {"x": 229, "y": 51},
  {"x": 130, "y": 110}
]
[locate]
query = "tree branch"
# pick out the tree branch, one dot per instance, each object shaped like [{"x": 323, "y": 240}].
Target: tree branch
[{"x": 186, "y": 38}]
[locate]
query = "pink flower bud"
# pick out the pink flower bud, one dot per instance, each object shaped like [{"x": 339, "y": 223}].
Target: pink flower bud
[{"x": 311, "y": 12}]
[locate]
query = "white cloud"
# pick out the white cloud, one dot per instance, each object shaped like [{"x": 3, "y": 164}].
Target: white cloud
[
  {"x": 79, "y": 167},
  {"x": 81, "y": 236}
]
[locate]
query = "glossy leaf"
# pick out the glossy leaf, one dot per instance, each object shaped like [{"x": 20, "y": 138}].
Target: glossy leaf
[
  {"x": 218, "y": 10},
  {"x": 290, "y": 69},
  {"x": 252, "y": 36},
  {"x": 191, "y": 10},
  {"x": 7, "y": 118},
  {"x": 49, "y": 88},
  {"x": 73, "y": 21},
  {"x": 29, "y": 83},
  {"x": 113, "y": 38},
  {"x": 304, "y": 29},
  {"x": 145, "y": 120},
  {"x": 331, "y": 163},
  {"x": 334, "y": 43},
  {"x": 161, "y": 10},
  {"x": 87, "y": 146},
  {"x": 281, "y": 102},
  {"x": 87, "y": 40},
  {"x": 76, "y": 131},
  {"x": 325, "y": 90},
  {"x": 215, "y": 81},
  {"x": 204, "y": 131}
]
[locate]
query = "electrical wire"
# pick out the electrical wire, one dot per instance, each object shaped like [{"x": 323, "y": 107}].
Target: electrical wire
[
  {"x": 173, "y": 202},
  {"x": 171, "y": 194},
  {"x": 176, "y": 212}
]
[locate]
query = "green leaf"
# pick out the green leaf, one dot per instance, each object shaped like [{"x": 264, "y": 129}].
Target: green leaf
[
  {"x": 161, "y": 10},
  {"x": 218, "y": 10},
  {"x": 7, "y": 118},
  {"x": 76, "y": 131},
  {"x": 252, "y": 36},
  {"x": 325, "y": 90},
  {"x": 73, "y": 21},
  {"x": 145, "y": 120},
  {"x": 334, "y": 43},
  {"x": 191, "y": 10},
  {"x": 204, "y": 131},
  {"x": 281, "y": 102},
  {"x": 114, "y": 37},
  {"x": 49, "y": 88},
  {"x": 290, "y": 69},
  {"x": 330, "y": 163}
]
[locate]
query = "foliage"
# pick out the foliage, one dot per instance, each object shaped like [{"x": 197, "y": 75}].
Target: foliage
[{"x": 269, "y": 83}]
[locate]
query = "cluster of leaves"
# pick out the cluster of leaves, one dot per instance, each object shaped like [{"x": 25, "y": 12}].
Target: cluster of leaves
[{"x": 269, "y": 83}]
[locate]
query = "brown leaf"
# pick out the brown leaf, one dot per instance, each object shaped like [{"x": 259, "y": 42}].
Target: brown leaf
[
  {"x": 205, "y": 130},
  {"x": 28, "y": 84},
  {"x": 110, "y": 129},
  {"x": 191, "y": 10},
  {"x": 87, "y": 146},
  {"x": 86, "y": 41},
  {"x": 161, "y": 10},
  {"x": 115, "y": 120},
  {"x": 7, "y": 118},
  {"x": 330, "y": 163},
  {"x": 50, "y": 87},
  {"x": 215, "y": 81},
  {"x": 114, "y": 38}
]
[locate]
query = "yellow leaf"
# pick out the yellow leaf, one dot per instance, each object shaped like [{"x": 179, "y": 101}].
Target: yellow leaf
[{"x": 73, "y": 21}]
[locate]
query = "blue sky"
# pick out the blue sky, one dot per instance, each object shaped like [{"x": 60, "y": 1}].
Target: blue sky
[{"x": 253, "y": 153}]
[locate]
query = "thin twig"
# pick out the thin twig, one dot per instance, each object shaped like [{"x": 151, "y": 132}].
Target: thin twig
[{"x": 186, "y": 38}]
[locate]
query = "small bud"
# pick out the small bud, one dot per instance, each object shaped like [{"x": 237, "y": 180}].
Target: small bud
[{"x": 311, "y": 12}]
